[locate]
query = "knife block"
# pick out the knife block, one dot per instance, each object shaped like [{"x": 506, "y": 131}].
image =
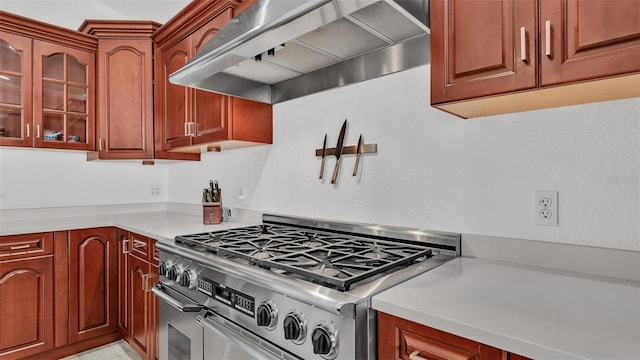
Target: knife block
[{"x": 212, "y": 211}]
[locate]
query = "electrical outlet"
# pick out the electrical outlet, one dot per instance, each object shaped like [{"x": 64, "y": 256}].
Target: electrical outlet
[
  {"x": 545, "y": 208},
  {"x": 156, "y": 190}
]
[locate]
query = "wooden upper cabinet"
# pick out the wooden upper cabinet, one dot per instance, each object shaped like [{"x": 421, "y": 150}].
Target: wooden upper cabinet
[
  {"x": 93, "y": 283},
  {"x": 588, "y": 39},
  {"x": 64, "y": 92},
  {"x": 124, "y": 88},
  {"x": 48, "y": 99},
  {"x": 478, "y": 48},
  {"x": 500, "y": 56},
  {"x": 190, "y": 121},
  {"x": 15, "y": 90}
]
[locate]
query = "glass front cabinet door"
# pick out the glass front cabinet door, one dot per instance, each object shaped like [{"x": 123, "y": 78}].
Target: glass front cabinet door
[
  {"x": 15, "y": 90},
  {"x": 63, "y": 97}
]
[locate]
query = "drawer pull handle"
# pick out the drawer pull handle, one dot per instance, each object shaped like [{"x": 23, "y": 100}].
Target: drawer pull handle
[
  {"x": 523, "y": 43},
  {"x": 124, "y": 246},
  {"x": 18, "y": 247},
  {"x": 139, "y": 244},
  {"x": 547, "y": 38},
  {"x": 416, "y": 356}
]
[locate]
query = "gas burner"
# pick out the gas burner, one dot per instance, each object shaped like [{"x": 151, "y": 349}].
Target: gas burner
[{"x": 329, "y": 258}]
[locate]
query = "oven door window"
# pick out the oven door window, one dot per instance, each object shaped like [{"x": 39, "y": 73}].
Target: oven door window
[{"x": 179, "y": 344}]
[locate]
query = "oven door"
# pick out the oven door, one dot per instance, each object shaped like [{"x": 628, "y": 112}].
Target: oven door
[
  {"x": 225, "y": 340},
  {"x": 180, "y": 335}
]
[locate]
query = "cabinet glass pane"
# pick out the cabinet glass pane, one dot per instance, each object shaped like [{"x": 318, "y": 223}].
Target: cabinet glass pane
[
  {"x": 10, "y": 89},
  {"x": 77, "y": 130},
  {"x": 77, "y": 99},
  {"x": 53, "y": 95},
  {"x": 53, "y": 125},
  {"x": 10, "y": 58},
  {"x": 77, "y": 71},
  {"x": 10, "y": 123},
  {"x": 53, "y": 67}
]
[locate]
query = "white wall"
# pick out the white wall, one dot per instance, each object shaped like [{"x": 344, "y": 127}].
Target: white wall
[
  {"x": 49, "y": 178},
  {"x": 436, "y": 171},
  {"x": 72, "y": 13}
]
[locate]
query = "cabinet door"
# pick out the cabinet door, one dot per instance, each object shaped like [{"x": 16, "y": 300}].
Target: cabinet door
[
  {"x": 63, "y": 85},
  {"x": 210, "y": 111},
  {"x": 15, "y": 90},
  {"x": 123, "y": 282},
  {"x": 477, "y": 48},
  {"x": 125, "y": 99},
  {"x": 174, "y": 99},
  {"x": 93, "y": 283},
  {"x": 137, "y": 274},
  {"x": 402, "y": 339},
  {"x": 26, "y": 307},
  {"x": 588, "y": 39}
]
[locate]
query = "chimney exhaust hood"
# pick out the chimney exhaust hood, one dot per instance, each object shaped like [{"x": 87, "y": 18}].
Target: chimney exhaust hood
[{"x": 278, "y": 50}]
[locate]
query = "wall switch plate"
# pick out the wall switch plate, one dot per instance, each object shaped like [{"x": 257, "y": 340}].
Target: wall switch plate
[
  {"x": 545, "y": 208},
  {"x": 156, "y": 190}
]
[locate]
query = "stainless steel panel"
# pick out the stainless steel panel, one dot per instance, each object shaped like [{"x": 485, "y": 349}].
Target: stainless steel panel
[
  {"x": 180, "y": 335},
  {"x": 375, "y": 37}
]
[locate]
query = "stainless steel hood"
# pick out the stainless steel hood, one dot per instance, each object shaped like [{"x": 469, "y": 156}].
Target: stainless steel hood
[{"x": 283, "y": 49}]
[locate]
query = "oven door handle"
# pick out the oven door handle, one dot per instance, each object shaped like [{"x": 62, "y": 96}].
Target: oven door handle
[
  {"x": 159, "y": 291},
  {"x": 254, "y": 350}
]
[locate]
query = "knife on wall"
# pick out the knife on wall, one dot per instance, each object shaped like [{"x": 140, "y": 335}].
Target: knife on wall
[
  {"x": 359, "y": 150},
  {"x": 324, "y": 153},
  {"x": 339, "y": 147}
]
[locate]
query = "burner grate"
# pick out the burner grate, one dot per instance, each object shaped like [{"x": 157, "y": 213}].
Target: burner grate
[{"x": 327, "y": 258}]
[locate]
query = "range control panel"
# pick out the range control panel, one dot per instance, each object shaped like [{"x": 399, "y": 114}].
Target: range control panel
[{"x": 226, "y": 295}]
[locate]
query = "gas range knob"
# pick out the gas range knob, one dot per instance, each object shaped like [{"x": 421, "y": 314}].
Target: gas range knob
[
  {"x": 324, "y": 341},
  {"x": 162, "y": 268},
  {"x": 172, "y": 273},
  {"x": 294, "y": 328},
  {"x": 266, "y": 316},
  {"x": 188, "y": 278}
]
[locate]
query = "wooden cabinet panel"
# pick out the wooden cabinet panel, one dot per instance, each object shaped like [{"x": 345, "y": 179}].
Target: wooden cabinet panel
[
  {"x": 139, "y": 334},
  {"x": 589, "y": 39},
  {"x": 209, "y": 109},
  {"x": 23, "y": 246},
  {"x": 15, "y": 92},
  {"x": 476, "y": 48},
  {"x": 401, "y": 339},
  {"x": 26, "y": 309},
  {"x": 64, "y": 93},
  {"x": 123, "y": 282},
  {"x": 92, "y": 283},
  {"x": 173, "y": 99},
  {"x": 502, "y": 56}
]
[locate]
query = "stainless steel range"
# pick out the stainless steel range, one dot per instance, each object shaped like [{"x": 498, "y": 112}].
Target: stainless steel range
[{"x": 290, "y": 288}]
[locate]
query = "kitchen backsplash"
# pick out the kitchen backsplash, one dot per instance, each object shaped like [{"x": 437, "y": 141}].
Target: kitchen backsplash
[{"x": 432, "y": 170}]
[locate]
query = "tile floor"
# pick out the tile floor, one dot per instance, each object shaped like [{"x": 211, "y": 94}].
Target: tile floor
[{"x": 118, "y": 350}]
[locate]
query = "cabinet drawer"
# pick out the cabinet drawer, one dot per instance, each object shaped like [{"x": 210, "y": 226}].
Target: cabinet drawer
[
  {"x": 414, "y": 346},
  {"x": 154, "y": 254},
  {"x": 22, "y": 246},
  {"x": 140, "y": 246}
]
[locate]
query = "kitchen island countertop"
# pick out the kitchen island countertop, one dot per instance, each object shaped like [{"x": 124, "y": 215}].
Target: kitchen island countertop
[{"x": 534, "y": 312}]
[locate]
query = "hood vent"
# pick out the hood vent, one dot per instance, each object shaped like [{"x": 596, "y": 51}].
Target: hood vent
[{"x": 283, "y": 49}]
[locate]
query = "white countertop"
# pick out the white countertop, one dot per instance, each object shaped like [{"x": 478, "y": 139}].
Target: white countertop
[
  {"x": 530, "y": 311},
  {"x": 159, "y": 225}
]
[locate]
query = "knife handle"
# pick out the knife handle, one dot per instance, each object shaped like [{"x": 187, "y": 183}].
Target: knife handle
[
  {"x": 322, "y": 168},
  {"x": 355, "y": 168},
  {"x": 335, "y": 172}
]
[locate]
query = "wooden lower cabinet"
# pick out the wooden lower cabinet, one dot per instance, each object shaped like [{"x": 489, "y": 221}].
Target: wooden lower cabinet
[
  {"x": 139, "y": 323},
  {"x": 26, "y": 307},
  {"x": 93, "y": 283},
  {"x": 403, "y": 339}
]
